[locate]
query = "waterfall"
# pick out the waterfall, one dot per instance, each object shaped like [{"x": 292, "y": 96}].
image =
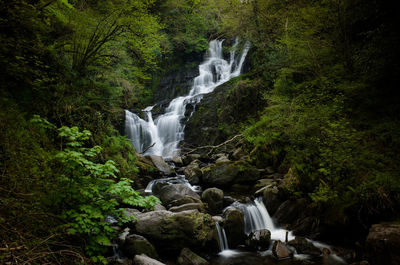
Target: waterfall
[
  {"x": 166, "y": 131},
  {"x": 222, "y": 240},
  {"x": 256, "y": 217}
]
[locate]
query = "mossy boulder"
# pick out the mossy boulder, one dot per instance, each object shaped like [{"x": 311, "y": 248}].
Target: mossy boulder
[
  {"x": 136, "y": 245},
  {"x": 171, "y": 231},
  {"x": 188, "y": 257},
  {"x": 214, "y": 198},
  {"x": 225, "y": 174},
  {"x": 173, "y": 192},
  {"x": 234, "y": 226}
]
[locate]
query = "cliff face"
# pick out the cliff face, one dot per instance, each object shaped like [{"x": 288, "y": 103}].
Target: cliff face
[{"x": 220, "y": 113}]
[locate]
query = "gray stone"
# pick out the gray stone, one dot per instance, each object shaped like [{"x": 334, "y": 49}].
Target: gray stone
[
  {"x": 222, "y": 158},
  {"x": 160, "y": 164},
  {"x": 136, "y": 245},
  {"x": 259, "y": 239},
  {"x": 145, "y": 260},
  {"x": 188, "y": 257},
  {"x": 184, "y": 229},
  {"x": 177, "y": 161},
  {"x": 188, "y": 206},
  {"x": 193, "y": 172},
  {"x": 281, "y": 251},
  {"x": 182, "y": 201},
  {"x": 130, "y": 212},
  {"x": 271, "y": 199},
  {"x": 214, "y": 198},
  {"x": 173, "y": 192},
  {"x": 187, "y": 159}
]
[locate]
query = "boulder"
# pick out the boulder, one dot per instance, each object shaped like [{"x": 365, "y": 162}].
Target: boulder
[
  {"x": 222, "y": 158},
  {"x": 187, "y": 159},
  {"x": 136, "y": 245},
  {"x": 290, "y": 210},
  {"x": 259, "y": 239},
  {"x": 214, "y": 198},
  {"x": 234, "y": 226},
  {"x": 173, "y": 231},
  {"x": 177, "y": 160},
  {"x": 271, "y": 199},
  {"x": 281, "y": 250},
  {"x": 145, "y": 260},
  {"x": 383, "y": 244},
  {"x": 193, "y": 172},
  {"x": 303, "y": 246},
  {"x": 173, "y": 192},
  {"x": 131, "y": 213},
  {"x": 225, "y": 174},
  {"x": 188, "y": 257},
  {"x": 182, "y": 201},
  {"x": 228, "y": 200},
  {"x": 189, "y": 206},
  {"x": 160, "y": 164}
]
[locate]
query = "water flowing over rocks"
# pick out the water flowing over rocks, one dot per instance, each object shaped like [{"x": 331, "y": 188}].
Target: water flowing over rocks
[{"x": 259, "y": 239}]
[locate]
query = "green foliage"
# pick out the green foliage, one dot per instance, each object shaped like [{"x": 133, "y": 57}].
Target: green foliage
[{"x": 86, "y": 191}]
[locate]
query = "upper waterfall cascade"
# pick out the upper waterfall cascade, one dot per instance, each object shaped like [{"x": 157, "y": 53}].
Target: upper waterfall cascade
[{"x": 167, "y": 130}]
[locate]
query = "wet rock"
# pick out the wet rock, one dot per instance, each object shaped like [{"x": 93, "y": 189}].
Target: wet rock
[
  {"x": 184, "y": 229},
  {"x": 214, "y": 198},
  {"x": 145, "y": 260},
  {"x": 303, "y": 246},
  {"x": 228, "y": 200},
  {"x": 290, "y": 210},
  {"x": 383, "y": 243},
  {"x": 173, "y": 192},
  {"x": 160, "y": 164},
  {"x": 228, "y": 173},
  {"x": 187, "y": 159},
  {"x": 188, "y": 206},
  {"x": 188, "y": 257},
  {"x": 281, "y": 251},
  {"x": 259, "y": 239},
  {"x": 234, "y": 226},
  {"x": 271, "y": 199},
  {"x": 136, "y": 245},
  {"x": 158, "y": 186},
  {"x": 193, "y": 172}
]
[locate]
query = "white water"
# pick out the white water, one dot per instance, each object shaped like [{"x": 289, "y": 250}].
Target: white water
[
  {"x": 256, "y": 217},
  {"x": 222, "y": 240},
  {"x": 166, "y": 131}
]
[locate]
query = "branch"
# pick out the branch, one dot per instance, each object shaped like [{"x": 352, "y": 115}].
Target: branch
[
  {"x": 213, "y": 147},
  {"x": 144, "y": 151}
]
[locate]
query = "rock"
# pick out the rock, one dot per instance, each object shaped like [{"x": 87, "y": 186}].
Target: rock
[
  {"x": 187, "y": 159},
  {"x": 173, "y": 192},
  {"x": 303, "y": 246},
  {"x": 290, "y": 210},
  {"x": 182, "y": 201},
  {"x": 228, "y": 173},
  {"x": 222, "y": 158},
  {"x": 261, "y": 183},
  {"x": 306, "y": 226},
  {"x": 228, "y": 200},
  {"x": 136, "y": 245},
  {"x": 193, "y": 172},
  {"x": 271, "y": 199},
  {"x": 259, "y": 239},
  {"x": 214, "y": 198},
  {"x": 239, "y": 154},
  {"x": 188, "y": 257},
  {"x": 234, "y": 226},
  {"x": 122, "y": 236},
  {"x": 129, "y": 212},
  {"x": 158, "y": 207},
  {"x": 177, "y": 161},
  {"x": 383, "y": 244},
  {"x": 160, "y": 164},
  {"x": 174, "y": 231},
  {"x": 281, "y": 251},
  {"x": 145, "y": 260},
  {"x": 188, "y": 206}
]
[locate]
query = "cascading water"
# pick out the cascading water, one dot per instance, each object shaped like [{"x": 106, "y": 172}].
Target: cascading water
[
  {"x": 166, "y": 131},
  {"x": 256, "y": 217},
  {"x": 222, "y": 240}
]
